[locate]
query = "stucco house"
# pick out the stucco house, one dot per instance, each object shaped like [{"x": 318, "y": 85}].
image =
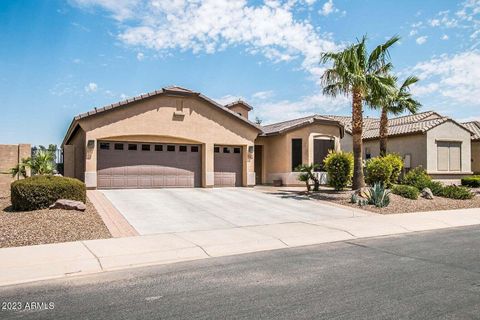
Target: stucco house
[
  {"x": 175, "y": 137},
  {"x": 437, "y": 143},
  {"x": 474, "y": 126}
]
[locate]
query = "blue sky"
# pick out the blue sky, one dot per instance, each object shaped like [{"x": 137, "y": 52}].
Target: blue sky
[{"x": 61, "y": 58}]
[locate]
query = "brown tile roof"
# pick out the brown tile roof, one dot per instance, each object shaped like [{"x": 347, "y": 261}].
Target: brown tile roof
[
  {"x": 474, "y": 126},
  {"x": 280, "y": 127},
  {"x": 410, "y": 124},
  {"x": 243, "y": 103}
]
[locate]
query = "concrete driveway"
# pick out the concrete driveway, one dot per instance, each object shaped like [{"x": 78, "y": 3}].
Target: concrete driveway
[{"x": 153, "y": 211}]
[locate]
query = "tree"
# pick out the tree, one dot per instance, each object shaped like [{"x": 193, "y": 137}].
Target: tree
[
  {"x": 359, "y": 74},
  {"x": 307, "y": 174},
  {"x": 397, "y": 102}
]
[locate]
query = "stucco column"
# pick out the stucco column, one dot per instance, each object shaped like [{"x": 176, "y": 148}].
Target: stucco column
[
  {"x": 90, "y": 162},
  {"x": 249, "y": 166},
  {"x": 208, "y": 175}
]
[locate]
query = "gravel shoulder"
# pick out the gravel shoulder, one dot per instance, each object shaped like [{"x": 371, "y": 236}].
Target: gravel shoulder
[
  {"x": 399, "y": 204},
  {"x": 47, "y": 226}
]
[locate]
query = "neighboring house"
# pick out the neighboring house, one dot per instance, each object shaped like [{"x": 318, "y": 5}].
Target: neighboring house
[
  {"x": 439, "y": 144},
  {"x": 474, "y": 126},
  {"x": 175, "y": 137}
]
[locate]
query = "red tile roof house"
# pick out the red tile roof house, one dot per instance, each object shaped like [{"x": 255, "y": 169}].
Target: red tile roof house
[
  {"x": 444, "y": 147},
  {"x": 474, "y": 126}
]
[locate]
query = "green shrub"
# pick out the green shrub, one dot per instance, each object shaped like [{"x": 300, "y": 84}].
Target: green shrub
[
  {"x": 39, "y": 192},
  {"x": 379, "y": 196},
  {"x": 406, "y": 191},
  {"x": 456, "y": 192},
  {"x": 377, "y": 170},
  {"x": 417, "y": 177},
  {"x": 436, "y": 187},
  {"x": 339, "y": 166},
  {"x": 472, "y": 181},
  {"x": 397, "y": 165}
]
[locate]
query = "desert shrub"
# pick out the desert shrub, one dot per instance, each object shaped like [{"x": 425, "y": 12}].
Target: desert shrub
[
  {"x": 377, "y": 170},
  {"x": 418, "y": 178},
  {"x": 456, "y": 192},
  {"x": 406, "y": 191},
  {"x": 472, "y": 181},
  {"x": 397, "y": 165},
  {"x": 379, "y": 196},
  {"x": 436, "y": 187},
  {"x": 339, "y": 166},
  {"x": 39, "y": 192}
]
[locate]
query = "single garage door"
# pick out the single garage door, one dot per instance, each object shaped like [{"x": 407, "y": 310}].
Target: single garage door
[
  {"x": 148, "y": 165},
  {"x": 228, "y": 166}
]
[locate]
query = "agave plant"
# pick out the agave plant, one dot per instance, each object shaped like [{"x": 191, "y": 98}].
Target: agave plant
[{"x": 379, "y": 196}]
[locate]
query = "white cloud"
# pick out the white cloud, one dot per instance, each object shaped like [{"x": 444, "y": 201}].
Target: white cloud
[
  {"x": 421, "y": 40},
  {"x": 140, "y": 56},
  {"x": 413, "y": 32},
  {"x": 228, "y": 99},
  {"x": 123, "y": 96},
  {"x": 456, "y": 78},
  {"x": 209, "y": 26},
  {"x": 434, "y": 22},
  {"x": 262, "y": 95},
  {"x": 327, "y": 8},
  {"x": 445, "y": 37},
  {"x": 91, "y": 87}
]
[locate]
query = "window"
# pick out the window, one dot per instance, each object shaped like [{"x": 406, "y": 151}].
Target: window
[
  {"x": 236, "y": 150},
  {"x": 145, "y": 147},
  {"x": 118, "y": 146},
  {"x": 132, "y": 147},
  {"x": 194, "y": 148},
  {"x": 182, "y": 149},
  {"x": 449, "y": 156},
  {"x": 226, "y": 150},
  {"x": 170, "y": 147},
  {"x": 158, "y": 147},
  {"x": 368, "y": 153},
  {"x": 216, "y": 149},
  {"x": 104, "y": 145},
  {"x": 296, "y": 153}
]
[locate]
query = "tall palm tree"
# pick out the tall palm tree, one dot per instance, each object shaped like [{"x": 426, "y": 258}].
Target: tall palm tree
[
  {"x": 359, "y": 74},
  {"x": 400, "y": 100}
]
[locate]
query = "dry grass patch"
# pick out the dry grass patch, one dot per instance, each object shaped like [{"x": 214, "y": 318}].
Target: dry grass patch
[{"x": 47, "y": 226}]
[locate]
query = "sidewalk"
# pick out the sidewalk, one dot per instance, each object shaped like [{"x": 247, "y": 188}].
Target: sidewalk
[{"x": 25, "y": 264}]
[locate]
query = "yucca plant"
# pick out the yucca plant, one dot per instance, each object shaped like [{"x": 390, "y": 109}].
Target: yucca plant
[{"x": 379, "y": 196}]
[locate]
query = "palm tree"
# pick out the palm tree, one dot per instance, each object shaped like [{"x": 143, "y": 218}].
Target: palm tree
[
  {"x": 359, "y": 74},
  {"x": 42, "y": 163},
  {"x": 397, "y": 102}
]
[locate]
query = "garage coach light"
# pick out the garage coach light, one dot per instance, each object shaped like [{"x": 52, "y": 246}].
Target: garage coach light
[
  {"x": 91, "y": 144},
  {"x": 250, "y": 149}
]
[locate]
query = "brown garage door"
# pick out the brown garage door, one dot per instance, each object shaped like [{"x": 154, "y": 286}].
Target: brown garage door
[
  {"x": 228, "y": 166},
  {"x": 147, "y": 165}
]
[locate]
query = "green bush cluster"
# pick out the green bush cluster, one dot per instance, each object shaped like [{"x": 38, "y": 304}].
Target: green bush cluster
[
  {"x": 418, "y": 178},
  {"x": 40, "y": 192},
  {"x": 339, "y": 166},
  {"x": 406, "y": 191},
  {"x": 472, "y": 181},
  {"x": 397, "y": 166},
  {"x": 456, "y": 192},
  {"x": 378, "y": 171}
]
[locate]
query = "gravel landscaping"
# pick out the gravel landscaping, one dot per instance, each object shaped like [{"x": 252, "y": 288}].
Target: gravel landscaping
[
  {"x": 47, "y": 226},
  {"x": 399, "y": 204}
]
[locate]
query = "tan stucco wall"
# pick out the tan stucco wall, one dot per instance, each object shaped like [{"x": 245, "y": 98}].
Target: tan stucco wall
[
  {"x": 170, "y": 119},
  {"x": 277, "y": 154},
  {"x": 10, "y": 156},
  {"x": 74, "y": 156},
  {"x": 415, "y": 145},
  {"x": 240, "y": 109},
  {"x": 448, "y": 131},
  {"x": 346, "y": 143},
  {"x": 476, "y": 156}
]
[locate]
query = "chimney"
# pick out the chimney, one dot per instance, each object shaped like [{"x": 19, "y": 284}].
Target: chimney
[{"x": 240, "y": 107}]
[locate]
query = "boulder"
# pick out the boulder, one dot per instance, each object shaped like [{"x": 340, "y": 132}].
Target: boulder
[
  {"x": 427, "y": 193},
  {"x": 363, "y": 192},
  {"x": 68, "y": 205}
]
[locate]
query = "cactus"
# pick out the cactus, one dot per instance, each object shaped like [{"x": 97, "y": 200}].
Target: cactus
[{"x": 379, "y": 196}]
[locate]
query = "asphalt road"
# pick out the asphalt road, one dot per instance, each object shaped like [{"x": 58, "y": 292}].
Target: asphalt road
[{"x": 416, "y": 276}]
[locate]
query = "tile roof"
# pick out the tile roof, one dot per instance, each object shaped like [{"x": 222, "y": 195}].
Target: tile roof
[
  {"x": 474, "y": 126},
  {"x": 243, "y": 103},
  {"x": 416, "y": 123},
  {"x": 280, "y": 127}
]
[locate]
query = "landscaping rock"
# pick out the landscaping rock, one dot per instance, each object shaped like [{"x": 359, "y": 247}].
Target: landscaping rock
[
  {"x": 363, "y": 192},
  {"x": 68, "y": 205},
  {"x": 427, "y": 193}
]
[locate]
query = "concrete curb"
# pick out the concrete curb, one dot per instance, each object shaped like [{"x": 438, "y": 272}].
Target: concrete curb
[{"x": 41, "y": 262}]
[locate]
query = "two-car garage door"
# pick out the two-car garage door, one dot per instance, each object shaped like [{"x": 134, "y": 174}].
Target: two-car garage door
[
  {"x": 148, "y": 165},
  {"x": 157, "y": 165}
]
